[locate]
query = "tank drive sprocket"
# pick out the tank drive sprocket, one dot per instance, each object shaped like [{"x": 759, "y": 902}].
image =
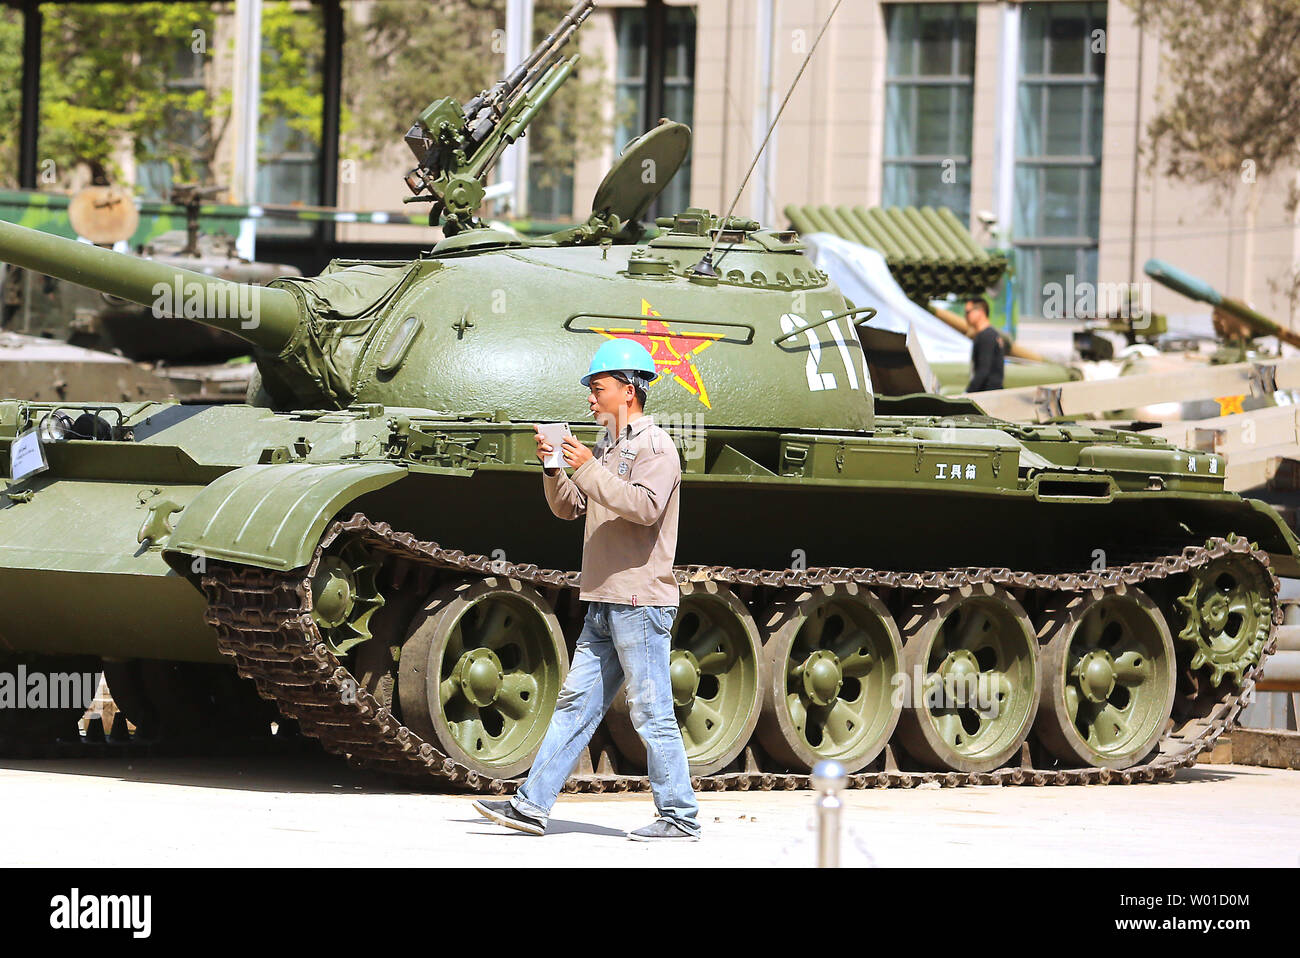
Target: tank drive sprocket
[{"x": 1226, "y": 613}]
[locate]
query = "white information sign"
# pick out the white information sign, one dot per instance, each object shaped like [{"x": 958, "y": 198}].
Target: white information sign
[{"x": 26, "y": 456}]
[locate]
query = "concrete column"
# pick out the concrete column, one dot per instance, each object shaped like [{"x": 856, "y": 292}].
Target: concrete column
[
  {"x": 513, "y": 167},
  {"x": 1004, "y": 151},
  {"x": 985, "y": 133},
  {"x": 764, "y": 110},
  {"x": 247, "y": 95}
]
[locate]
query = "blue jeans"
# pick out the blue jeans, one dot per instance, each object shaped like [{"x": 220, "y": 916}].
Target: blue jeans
[{"x": 617, "y": 639}]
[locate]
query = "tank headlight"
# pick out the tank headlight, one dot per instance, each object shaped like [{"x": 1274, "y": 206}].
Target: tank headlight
[{"x": 55, "y": 427}]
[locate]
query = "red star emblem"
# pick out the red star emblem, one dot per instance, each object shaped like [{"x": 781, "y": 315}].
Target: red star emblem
[{"x": 672, "y": 351}]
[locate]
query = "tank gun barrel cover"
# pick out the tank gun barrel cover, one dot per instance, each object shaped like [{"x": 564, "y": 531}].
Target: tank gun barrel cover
[
  {"x": 1201, "y": 291},
  {"x": 456, "y": 146}
]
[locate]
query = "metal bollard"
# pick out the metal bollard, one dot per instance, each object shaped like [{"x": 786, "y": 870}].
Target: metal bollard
[{"x": 829, "y": 779}]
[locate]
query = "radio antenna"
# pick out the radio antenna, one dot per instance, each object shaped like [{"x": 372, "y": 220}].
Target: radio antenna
[{"x": 705, "y": 266}]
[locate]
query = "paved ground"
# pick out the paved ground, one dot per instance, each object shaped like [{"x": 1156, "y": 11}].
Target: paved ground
[{"x": 310, "y": 811}]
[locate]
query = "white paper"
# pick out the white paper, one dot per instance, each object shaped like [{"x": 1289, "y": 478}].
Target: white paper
[
  {"x": 26, "y": 457},
  {"x": 554, "y": 433}
]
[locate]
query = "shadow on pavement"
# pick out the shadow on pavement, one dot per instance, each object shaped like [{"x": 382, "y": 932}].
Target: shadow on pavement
[
  {"x": 556, "y": 826},
  {"x": 296, "y": 773}
]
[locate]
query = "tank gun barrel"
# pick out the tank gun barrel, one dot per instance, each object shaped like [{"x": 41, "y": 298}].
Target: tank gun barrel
[
  {"x": 266, "y": 317},
  {"x": 1201, "y": 291}
]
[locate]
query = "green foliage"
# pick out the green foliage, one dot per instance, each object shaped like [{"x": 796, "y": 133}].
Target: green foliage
[
  {"x": 105, "y": 87},
  {"x": 402, "y": 56},
  {"x": 1229, "y": 77},
  {"x": 292, "y": 43},
  {"x": 138, "y": 79},
  {"x": 114, "y": 81},
  {"x": 11, "y": 60}
]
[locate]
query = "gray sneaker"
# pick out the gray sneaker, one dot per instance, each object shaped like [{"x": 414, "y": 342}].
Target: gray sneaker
[
  {"x": 662, "y": 830},
  {"x": 504, "y": 813}
]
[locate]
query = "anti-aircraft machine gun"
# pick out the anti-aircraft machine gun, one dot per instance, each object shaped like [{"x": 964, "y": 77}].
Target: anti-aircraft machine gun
[{"x": 457, "y": 146}]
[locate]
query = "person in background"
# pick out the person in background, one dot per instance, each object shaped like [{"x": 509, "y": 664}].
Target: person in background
[{"x": 987, "y": 356}]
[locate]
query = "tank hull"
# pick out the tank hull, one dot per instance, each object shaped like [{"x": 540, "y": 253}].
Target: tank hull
[{"x": 71, "y": 555}]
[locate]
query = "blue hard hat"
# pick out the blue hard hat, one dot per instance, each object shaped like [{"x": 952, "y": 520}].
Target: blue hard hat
[{"x": 622, "y": 355}]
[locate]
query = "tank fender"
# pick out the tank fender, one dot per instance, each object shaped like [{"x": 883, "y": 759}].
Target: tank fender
[
  {"x": 270, "y": 516},
  {"x": 1283, "y": 546}
]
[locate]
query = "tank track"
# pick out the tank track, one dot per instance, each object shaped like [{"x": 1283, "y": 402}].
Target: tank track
[{"x": 264, "y": 622}]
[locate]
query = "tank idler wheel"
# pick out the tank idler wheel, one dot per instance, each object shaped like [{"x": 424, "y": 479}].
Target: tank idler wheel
[
  {"x": 971, "y": 689},
  {"x": 1225, "y": 616},
  {"x": 480, "y": 672},
  {"x": 714, "y": 667},
  {"x": 832, "y": 657},
  {"x": 345, "y": 593},
  {"x": 1108, "y": 680}
]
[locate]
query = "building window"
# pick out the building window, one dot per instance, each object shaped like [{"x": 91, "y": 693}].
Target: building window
[
  {"x": 929, "y": 93},
  {"x": 631, "y": 102},
  {"x": 550, "y": 191},
  {"x": 1058, "y": 148},
  {"x": 289, "y": 144}
]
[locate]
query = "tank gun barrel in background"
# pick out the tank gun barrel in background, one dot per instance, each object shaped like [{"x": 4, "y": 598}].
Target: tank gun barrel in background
[
  {"x": 1201, "y": 291},
  {"x": 456, "y": 147},
  {"x": 265, "y": 317}
]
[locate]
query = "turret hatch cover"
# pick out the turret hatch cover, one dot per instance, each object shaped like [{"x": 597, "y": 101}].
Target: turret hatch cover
[{"x": 644, "y": 170}]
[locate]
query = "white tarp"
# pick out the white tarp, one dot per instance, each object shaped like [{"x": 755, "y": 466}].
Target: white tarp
[{"x": 862, "y": 275}]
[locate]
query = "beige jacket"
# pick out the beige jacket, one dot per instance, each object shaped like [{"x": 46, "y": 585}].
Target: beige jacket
[{"x": 628, "y": 491}]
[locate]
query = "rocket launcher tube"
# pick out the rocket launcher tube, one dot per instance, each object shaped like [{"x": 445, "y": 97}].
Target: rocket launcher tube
[
  {"x": 1203, "y": 292},
  {"x": 1181, "y": 282},
  {"x": 264, "y": 316}
]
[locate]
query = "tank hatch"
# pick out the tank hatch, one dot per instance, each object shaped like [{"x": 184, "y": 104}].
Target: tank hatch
[{"x": 644, "y": 170}]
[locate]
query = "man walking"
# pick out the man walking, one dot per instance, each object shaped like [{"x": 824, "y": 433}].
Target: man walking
[
  {"x": 627, "y": 487},
  {"x": 986, "y": 356}
]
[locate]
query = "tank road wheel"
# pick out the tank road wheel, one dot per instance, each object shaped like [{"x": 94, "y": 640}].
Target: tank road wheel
[
  {"x": 480, "y": 673},
  {"x": 1108, "y": 680},
  {"x": 831, "y": 657},
  {"x": 1225, "y": 616},
  {"x": 714, "y": 667},
  {"x": 972, "y": 680}
]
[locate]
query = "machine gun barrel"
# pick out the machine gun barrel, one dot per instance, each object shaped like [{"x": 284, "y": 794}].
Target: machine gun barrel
[
  {"x": 1201, "y": 291},
  {"x": 526, "y": 74},
  {"x": 516, "y": 121}
]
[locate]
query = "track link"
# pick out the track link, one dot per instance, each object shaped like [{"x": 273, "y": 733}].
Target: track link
[{"x": 264, "y": 622}]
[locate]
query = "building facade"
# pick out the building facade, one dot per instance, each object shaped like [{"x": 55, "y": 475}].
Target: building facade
[{"x": 1024, "y": 118}]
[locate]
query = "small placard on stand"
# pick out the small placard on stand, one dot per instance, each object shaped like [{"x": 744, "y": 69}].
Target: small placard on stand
[{"x": 26, "y": 456}]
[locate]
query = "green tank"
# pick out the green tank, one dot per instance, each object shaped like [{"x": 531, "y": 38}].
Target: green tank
[{"x": 901, "y": 584}]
